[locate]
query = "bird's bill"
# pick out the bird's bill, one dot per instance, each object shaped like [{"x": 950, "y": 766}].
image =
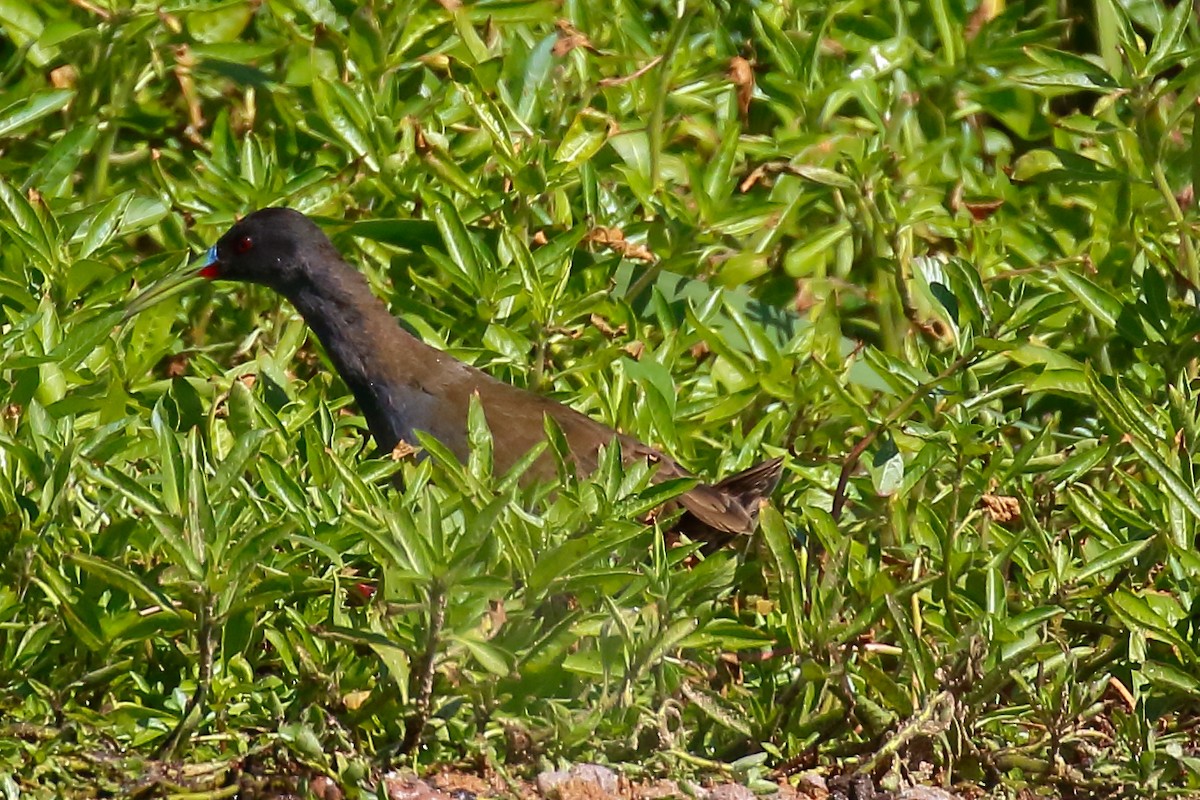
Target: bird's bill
[{"x": 175, "y": 283}]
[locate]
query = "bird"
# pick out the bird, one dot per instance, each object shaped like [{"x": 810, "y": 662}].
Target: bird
[{"x": 403, "y": 385}]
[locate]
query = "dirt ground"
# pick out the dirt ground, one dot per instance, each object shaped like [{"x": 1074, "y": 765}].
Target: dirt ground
[{"x": 595, "y": 782}]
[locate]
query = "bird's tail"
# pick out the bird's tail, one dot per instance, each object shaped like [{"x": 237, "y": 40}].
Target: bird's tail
[
  {"x": 744, "y": 491},
  {"x": 751, "y": 486}
]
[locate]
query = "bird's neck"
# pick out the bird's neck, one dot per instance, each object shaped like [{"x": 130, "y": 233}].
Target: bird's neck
[{"x": 368, "y": 347}]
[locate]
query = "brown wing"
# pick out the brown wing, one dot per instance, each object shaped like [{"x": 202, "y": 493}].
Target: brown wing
[{"x": 515, "y": 417}]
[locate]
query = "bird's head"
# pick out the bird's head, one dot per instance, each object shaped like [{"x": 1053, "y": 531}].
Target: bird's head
[
  {"x": 271, "y": 247},
  {"x": 275, "y": 247}
]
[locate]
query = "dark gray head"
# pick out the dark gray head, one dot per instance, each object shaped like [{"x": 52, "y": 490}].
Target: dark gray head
[{"x": 276, "y": 247}]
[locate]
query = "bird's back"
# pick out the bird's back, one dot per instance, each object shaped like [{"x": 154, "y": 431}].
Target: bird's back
[
  {"x": 516, "y": 419},
  {"x": 403, "y": 385}
]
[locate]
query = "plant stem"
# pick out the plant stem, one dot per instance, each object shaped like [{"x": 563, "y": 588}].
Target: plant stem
[
  {"x": 839, "y": 494},
  {"x": 422, "y": 679},
  {"x": 190, "y": 719}
]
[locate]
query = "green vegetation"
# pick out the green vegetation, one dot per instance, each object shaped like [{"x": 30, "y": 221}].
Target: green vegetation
[{"x": 959, "y": 287}]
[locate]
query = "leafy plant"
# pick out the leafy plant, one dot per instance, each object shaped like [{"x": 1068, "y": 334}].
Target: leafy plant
[{"x": 941, "y": 255}]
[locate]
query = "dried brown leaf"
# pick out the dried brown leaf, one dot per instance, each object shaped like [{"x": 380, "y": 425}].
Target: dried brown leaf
[
  {"x": 741, "y": 75},
  {"x": 1001, "y": 508},
  {"x": 402, "y": 450},
  {"x": 569, "y": 38}
]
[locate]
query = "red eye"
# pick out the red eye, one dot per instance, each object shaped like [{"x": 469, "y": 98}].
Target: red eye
[{"x": 243, "y": 245}]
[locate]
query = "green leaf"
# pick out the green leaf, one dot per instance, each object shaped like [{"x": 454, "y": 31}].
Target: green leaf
[
  {"x": 410, "y": 234},
  {"x": 726, "y": 634},
  {"x": 1061, "y": 165},
  {"x": 281, "y": 484},
  {"x": 888, "y": 468},
  {"x": 223, "y": 22},
  {"x": 584, "y": 138},
  {"x": 236, "y": 462},
  {"x": 21, "y": 22},
  {"x": 826, "y": 177},
  {"x": 454, "y": 234},
  {"x": 652, "y": 497},
  {"x": 346, "y": 116},
  {"x": 716, "y": 709},
  {"x": 1113, "y": 558},
  {"x": 100, "y": 227},
  {"x": 1139, "y": 615},
  {"x": 1102, "y": 305},
  {"x": 788, "y": 573},
  {"x": 17, "y": 115},
  {"x": 171, "y": 459},
  {"x": 490, "y": 657},
  {"x": 1067, "y": 70},
  {"x": 28, "y": 228},
  {"x": 1170, "y": 478},
  {"x": 1170, "y": 677},
  {"x": 125, "y": 581}
]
